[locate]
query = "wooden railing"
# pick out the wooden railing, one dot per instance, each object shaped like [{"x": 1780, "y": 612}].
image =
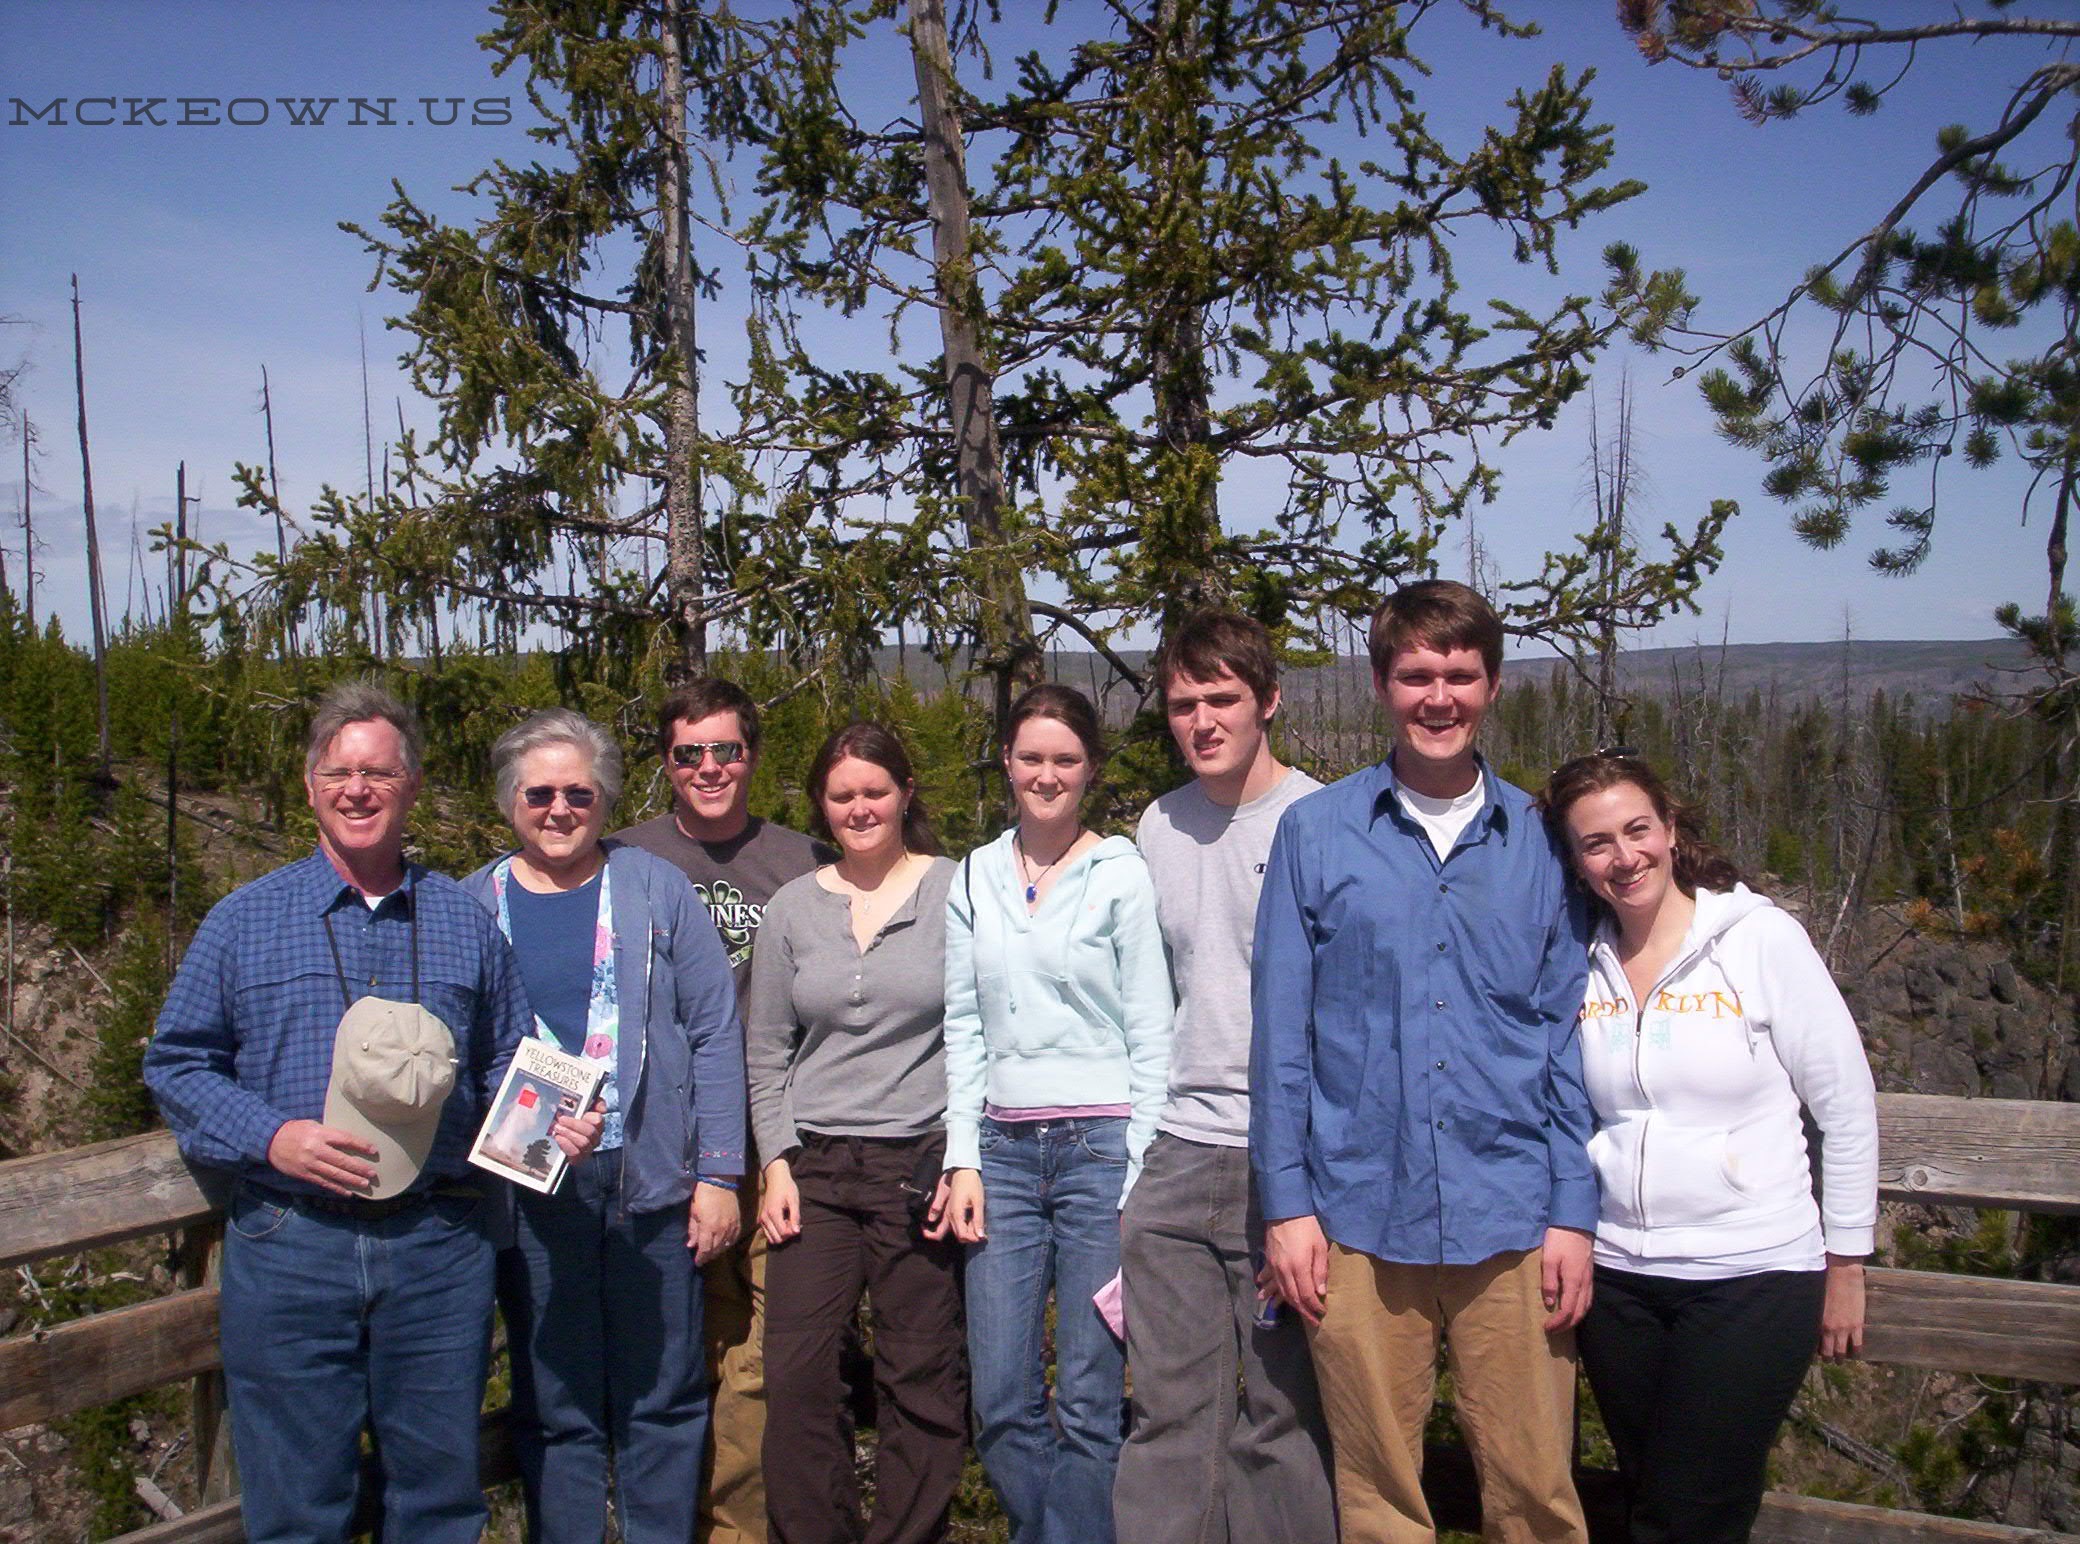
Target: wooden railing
[
  {"x": 2012, "y": 1154},
  {"x": 88, "y": 1198}
]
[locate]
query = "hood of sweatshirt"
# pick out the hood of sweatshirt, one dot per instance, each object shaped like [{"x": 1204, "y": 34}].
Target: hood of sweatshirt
[
  {"x": 1110, "y": 849},
  {"x": 1717, "y": 911}
]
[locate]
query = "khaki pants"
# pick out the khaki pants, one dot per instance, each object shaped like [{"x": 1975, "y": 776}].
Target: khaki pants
[
  {"x": 733, "y": 1487},
  {"x": 1375, "y": 1357}
]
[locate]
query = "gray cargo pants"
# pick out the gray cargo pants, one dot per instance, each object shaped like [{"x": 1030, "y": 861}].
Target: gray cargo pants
[{"x": 1226, "y": 1443}]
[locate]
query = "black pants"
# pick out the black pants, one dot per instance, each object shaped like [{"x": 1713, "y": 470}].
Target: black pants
[
  {"x": 1693, "y": 1379},
  {"x": 860, "y": 1232}
]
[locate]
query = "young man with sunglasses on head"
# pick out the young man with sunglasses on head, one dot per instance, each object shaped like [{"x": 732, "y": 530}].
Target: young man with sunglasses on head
[{"x": 708, "y": 737}]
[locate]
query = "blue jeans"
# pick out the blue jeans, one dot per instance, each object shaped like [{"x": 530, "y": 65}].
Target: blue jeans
[
  {"x": 1051, "y": 1194},
  {"x": 603, "y": 1312},
  {"x": 333, "y": 1324}
]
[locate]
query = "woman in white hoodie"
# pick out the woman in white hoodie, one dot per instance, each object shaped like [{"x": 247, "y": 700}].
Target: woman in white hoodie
[
  {"x": 1058, "y": 1012},
  {"x": 1710, "y": 1021}
]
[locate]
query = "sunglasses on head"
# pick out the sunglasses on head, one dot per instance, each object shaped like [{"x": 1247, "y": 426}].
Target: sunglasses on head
[
  {"x": 1601, "y": 753},
  {"x": 688, "y": 753},
  {"x": 576, "y": 795}
]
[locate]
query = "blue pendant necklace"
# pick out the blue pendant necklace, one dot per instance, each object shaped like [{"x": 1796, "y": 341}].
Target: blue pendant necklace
[{"x": 1025, "y": 864}]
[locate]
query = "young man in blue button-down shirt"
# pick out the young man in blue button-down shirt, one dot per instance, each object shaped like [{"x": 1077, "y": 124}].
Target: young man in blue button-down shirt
[{"x": 1418, "y": 1119}]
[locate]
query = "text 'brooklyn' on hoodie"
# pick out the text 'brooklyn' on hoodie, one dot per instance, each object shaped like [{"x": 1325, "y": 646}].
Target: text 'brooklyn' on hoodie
[{"x": 1699, "y": 1146}]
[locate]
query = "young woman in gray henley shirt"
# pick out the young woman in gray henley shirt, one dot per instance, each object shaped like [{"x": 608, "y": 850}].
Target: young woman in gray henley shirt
[{"x": 845, "y": 1041}]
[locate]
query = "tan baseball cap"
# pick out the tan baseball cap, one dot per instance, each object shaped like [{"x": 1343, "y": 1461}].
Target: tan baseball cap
[{"x": 393, "y": 1065}]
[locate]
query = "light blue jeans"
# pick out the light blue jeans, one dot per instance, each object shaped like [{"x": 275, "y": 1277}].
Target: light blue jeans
[
  {"x": 1051, "y": 1193},
  {"x": 330, "y": 1324}
]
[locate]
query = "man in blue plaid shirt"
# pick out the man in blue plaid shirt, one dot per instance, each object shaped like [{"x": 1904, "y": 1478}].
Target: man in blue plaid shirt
[{"x": 342, "y": 1312}]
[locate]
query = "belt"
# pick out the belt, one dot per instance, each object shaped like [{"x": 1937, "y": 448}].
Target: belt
[{"x": 367, "y": 1209}]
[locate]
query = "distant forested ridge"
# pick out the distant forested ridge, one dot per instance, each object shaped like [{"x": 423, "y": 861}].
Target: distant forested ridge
[{"x": 1869, "y": 771}]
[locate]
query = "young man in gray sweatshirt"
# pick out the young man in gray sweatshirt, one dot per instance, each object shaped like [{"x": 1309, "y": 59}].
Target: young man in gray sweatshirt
[{"x": 1229, "y": 1397}]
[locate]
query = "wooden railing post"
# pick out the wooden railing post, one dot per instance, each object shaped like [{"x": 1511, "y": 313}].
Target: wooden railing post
[{"x": 216, "y": 1464}]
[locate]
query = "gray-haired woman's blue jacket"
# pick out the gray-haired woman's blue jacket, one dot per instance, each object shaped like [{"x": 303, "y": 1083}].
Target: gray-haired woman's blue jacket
[{"x": 681, "y": 1060}]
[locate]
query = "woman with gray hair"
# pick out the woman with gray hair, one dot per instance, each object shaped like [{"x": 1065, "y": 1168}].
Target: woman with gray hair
[{"x": 601, "y": 1287}]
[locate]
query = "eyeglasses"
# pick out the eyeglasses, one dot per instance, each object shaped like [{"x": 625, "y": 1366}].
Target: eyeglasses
[
  {"x": 688, "y": 753},
  {"x": 375, "y": 777},
  {"x": 577, "y": 795}
]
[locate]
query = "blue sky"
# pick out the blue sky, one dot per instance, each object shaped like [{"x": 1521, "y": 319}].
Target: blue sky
[{"x": 206, "y": 252}]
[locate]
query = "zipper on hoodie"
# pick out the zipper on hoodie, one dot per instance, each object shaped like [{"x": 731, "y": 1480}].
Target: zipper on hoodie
[
  {"x": 628, "y": 1095},
  {"x": 1639, "y": 1080},
  {"x": 1674, "y": 967}
]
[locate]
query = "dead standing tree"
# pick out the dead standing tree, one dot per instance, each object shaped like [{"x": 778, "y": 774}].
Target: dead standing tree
[
  {"x": 97, "y": 603},
  {"x": 1004, "y": 625}
]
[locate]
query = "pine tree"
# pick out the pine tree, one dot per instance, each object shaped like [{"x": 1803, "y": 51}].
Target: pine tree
[
  {"x": 548, "y": 461},
  {"x": 2002, "y": 262},
  {"x": 1996, "y": 270},
  {"x": 1147, "y": 273},
  {"x": 117, "y": 1102},
  {"x": 1173, "y": 280}
]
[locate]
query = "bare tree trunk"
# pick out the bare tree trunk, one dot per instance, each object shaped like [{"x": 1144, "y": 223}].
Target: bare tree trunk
[
  {"x": 177, "y": 626},
  {"x": 137, "y": 585},
  {"x": 28, "y": 528},
  {"x": 287, "y": 642},
  {"x": 379, "y": 634},
  {"x": 1768, "y": 755},
  {"x": 1184, "y": 424},
  {"x": 96, "y": 602},
  {"x": 1183, "y": 537},
  {"x": 1613, "y": 479},
  {"x": 2064, "y": 762},
  {"x": 682, "y": 488},
  {"x": 2056, "y": 643},
  {"x": 433, "y": 604},
  {"x": 1003, "y": 621},
  {"x": 1844, "y": 738},
  {"x": 1868, "y": 790},
  {"x": 1949, "y": 831}
]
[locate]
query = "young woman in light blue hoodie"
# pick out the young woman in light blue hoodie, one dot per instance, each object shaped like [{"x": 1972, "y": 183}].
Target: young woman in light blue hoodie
[{"x": 1058, "y": 1010}]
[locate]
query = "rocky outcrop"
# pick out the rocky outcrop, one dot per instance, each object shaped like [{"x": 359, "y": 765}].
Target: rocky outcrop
[
  {"x": 1949, "y": 1016},
  {"x": 1943, "y": 1016}
]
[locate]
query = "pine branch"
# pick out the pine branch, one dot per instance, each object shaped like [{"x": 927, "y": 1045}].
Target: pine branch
[
  {"x": 2051, "y": 81},
  {"x": 1819, "y": 39},
  {"x": 1135, "y": 678}
]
